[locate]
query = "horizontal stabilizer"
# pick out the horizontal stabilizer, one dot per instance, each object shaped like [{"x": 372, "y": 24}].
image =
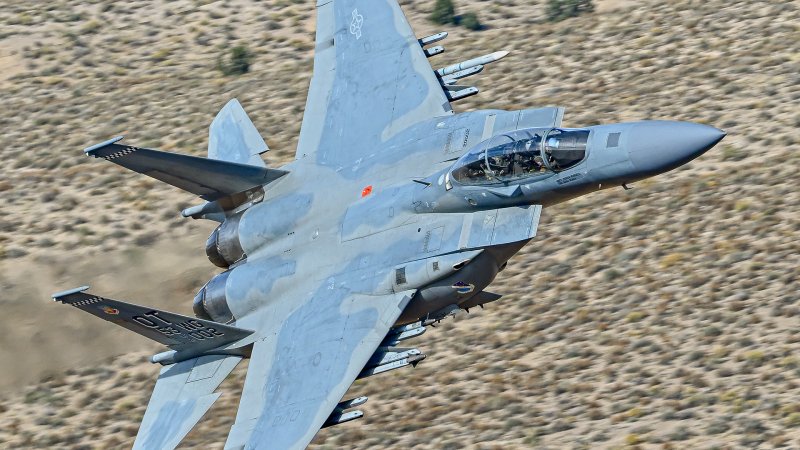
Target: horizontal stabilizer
[
  {"x": 210, "y": 179},
  {"x": 176, "y": 331}
]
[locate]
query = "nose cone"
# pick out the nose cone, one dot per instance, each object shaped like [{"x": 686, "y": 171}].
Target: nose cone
[{"x": 656, "y": 147}]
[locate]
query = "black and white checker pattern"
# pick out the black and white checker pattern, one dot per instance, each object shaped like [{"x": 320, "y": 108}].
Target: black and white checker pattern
[
  {"x": 88, "y": 301},
  {"x": 123, "y": 152}
]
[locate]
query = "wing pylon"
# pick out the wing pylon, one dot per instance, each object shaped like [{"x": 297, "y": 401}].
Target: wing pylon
[{"x": 448, "y": 76}]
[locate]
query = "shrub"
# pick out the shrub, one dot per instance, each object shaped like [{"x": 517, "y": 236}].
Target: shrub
[
  {"x": 793, "y": 420},
  {"x": 238, "y": 62},
  {"x": 558, "y": 10},
  {"x": 444, "y": 12},
  {"x": 470, "y": 21}
]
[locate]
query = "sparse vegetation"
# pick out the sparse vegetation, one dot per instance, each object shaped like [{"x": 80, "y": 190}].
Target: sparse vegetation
[
  {"x": 632, "y": 314},
  {"x": 237, "y": 62},
  {"x": 558, "y": 10},
  {"x": 470, "y": 21},
  {"x": 444, "y": 12}
]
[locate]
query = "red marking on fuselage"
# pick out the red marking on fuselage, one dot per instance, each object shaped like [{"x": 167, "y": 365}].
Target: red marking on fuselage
[{"x": 366, "y": 191}]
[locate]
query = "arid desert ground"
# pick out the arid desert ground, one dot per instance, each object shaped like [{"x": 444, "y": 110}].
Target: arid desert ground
[{"x": 661, "y": 317}]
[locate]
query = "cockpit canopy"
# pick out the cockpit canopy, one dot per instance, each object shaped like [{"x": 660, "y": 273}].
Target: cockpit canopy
[{"x": 522, "y": 154}]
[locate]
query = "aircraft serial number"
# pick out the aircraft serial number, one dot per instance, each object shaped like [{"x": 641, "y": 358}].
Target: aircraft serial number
[
  {"x": 193, "y": 328},
  {"x": 569, "y": 179}
]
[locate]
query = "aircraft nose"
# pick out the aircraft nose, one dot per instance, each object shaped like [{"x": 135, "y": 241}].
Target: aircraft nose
[{"x": 656, "y": 147}]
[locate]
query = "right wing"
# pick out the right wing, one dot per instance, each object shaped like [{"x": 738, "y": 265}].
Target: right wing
[
  {"x": 299, "y": 372},
  {"x": 183, "y": 394},
  {"x": 371, "y": 80}
]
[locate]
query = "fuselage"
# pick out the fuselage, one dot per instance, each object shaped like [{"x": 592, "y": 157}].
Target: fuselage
[{"x": 407, "y": 205}]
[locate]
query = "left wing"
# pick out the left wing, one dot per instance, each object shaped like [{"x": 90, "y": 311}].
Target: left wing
[
  {"x": 300, "y": 371},
  {"x": 371, "y": 80}
]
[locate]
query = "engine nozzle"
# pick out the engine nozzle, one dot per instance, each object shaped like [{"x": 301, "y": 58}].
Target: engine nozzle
[
  {"x": 211, "y": 303},
  {"x": 223, "y": 247}
]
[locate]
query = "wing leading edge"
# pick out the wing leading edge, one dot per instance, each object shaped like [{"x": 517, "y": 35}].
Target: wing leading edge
[{"x": 371, "y": 80}]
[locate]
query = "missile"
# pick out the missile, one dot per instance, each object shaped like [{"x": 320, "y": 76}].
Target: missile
[
  {"x": 403, "y": 334},
  {"x": 486, "y": 59},
  {"x": 386, "y": 355},
  {"x": 412, "y": 360},
  {"x": 352, "y": 403},
  {"x": 433, "y": 51},
  {"x": 432, "y": 39},
  {"x": 452, "y": 78},
  {"x": 336, "y": 419}
]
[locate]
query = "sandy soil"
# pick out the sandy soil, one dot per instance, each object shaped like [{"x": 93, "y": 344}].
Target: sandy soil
[{"x": 662, "y": 317}]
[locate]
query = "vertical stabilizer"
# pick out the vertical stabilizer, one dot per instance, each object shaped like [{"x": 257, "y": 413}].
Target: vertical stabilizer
[{"x": 233, "y": 137}]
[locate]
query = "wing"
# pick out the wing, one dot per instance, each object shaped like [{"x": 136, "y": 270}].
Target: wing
[
  {"x": 299, "y": 373},
  {"x": 371, "y": 80},
  {"x": 183, "y": 394}
]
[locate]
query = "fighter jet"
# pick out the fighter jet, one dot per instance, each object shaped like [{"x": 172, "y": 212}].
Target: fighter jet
[{"x": 396, "y": 213}]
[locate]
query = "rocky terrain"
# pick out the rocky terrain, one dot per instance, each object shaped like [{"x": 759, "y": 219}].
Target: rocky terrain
[{"x": 661, "y": 317}]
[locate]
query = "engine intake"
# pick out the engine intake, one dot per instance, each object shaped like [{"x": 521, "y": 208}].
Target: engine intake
[
  {"x": 211, "y": 302},
  {"x": 223, "y": 247}
]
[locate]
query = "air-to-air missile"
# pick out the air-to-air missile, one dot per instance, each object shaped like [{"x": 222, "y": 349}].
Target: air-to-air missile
[
  {"x": 451, "y": 79},
  {"x": 433, "y": 51},
  {"x": 482, "y": 60},
  {"x": 432, "y": 39},
  {"x": 450, "y": 74}
]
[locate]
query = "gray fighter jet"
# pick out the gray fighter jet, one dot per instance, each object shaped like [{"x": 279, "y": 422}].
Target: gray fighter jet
[{"x": 396, "y": 213}]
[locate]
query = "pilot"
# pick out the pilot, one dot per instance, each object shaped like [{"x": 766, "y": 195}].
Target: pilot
[
  {"x": 518, "y": 165},
  {"x": 539, "y": 163},
  {"x": 475, "y": 172}
]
